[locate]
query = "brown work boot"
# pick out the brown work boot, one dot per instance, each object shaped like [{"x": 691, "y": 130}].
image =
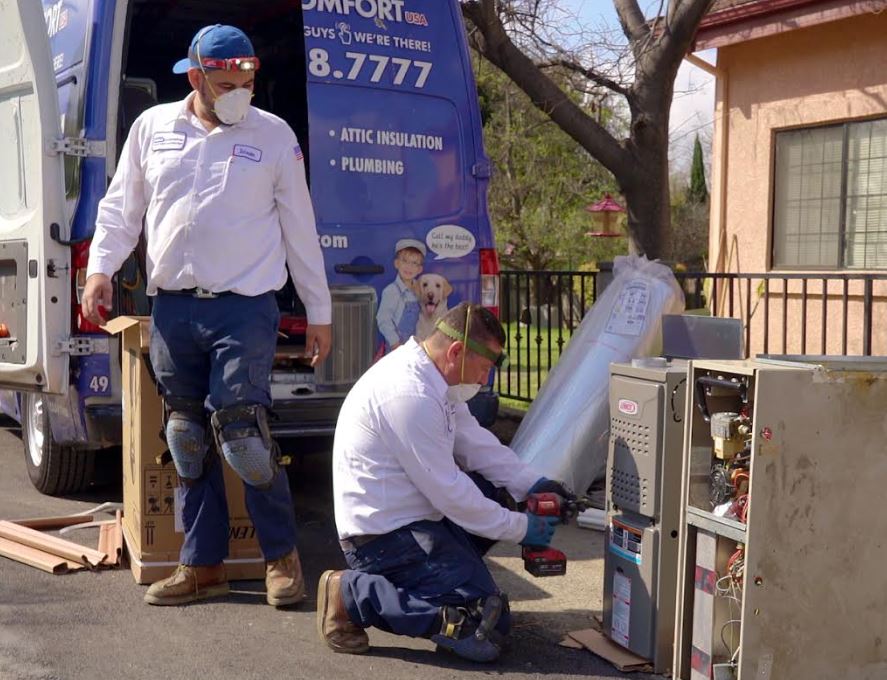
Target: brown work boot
[
  {"x": 283, "y": 580},
  {"x": 333, "y": 624},
  {"x": 189, "y": 584}
]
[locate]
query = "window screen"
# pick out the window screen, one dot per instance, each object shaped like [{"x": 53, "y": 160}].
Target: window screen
[{"x": 866, "y": 199}]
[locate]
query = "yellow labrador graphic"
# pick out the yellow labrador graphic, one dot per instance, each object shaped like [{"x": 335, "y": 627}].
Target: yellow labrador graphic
[{"x": 432, "y": 290}]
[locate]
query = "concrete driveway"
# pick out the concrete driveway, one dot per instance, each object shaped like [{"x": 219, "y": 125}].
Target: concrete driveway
[{"x": 94, "y": 625}]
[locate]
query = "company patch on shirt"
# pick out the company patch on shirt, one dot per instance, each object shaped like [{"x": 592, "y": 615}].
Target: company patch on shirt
[
  {"x": 249, "y": 152},
  {"x": 168, "y": 141}
]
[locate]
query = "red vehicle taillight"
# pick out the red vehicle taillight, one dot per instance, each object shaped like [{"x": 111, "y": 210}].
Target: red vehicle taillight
[
  {"x": 489, "y": 279},
  {"x": 293, "y": 325},
  {"x": 79, "y": 260}
]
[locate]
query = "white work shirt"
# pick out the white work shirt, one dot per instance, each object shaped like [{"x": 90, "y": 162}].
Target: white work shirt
[
  {"x": 400, "y": 450},
  {"x": 225, "y": 210}
]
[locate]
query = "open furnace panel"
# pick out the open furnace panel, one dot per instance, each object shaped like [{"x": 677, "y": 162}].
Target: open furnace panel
[
  {"x": 779, "y": 575},
  {"x": 719, "y": 458}
]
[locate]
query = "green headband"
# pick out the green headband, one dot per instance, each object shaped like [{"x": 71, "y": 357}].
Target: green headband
[{"x": 499, "y": 360}]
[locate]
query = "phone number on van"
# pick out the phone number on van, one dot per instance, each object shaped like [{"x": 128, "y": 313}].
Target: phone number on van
[{"x": 319, "y": 66}]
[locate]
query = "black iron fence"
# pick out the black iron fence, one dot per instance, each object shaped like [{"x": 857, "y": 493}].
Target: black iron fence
[
  {"x": 837, "y": 314},
  {"x": 540, "y": 310}
]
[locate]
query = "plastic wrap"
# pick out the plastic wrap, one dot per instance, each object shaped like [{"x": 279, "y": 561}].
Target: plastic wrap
[{"x": 566, "y": 430}]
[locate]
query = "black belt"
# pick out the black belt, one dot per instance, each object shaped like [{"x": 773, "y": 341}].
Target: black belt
[
  {"x": 356, "y": 542},
  {"x": 201, "y": 293}
]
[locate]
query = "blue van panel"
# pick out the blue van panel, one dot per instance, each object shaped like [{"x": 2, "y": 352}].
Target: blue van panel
[
  {"x": 367, "y": 181},
  {"x": 395, "y": 139},
  {"x": 99, "y": 69},
  {"x": 95, "y": 180},
  {"x": 77, "y": 28},
  {"x": 67, "y": 25}
]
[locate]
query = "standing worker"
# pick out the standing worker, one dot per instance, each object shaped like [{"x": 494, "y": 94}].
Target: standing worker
[
  {"x": 221, "y": 187},
  {"x": 415, "y": 485}
]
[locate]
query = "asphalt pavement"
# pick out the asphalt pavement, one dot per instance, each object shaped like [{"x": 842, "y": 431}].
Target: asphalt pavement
[{"x": 95, "y": 625}]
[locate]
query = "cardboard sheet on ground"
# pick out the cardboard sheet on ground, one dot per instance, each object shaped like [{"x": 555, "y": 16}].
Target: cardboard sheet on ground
[
  {"x": 597, "y": 643},
  {"x": 566, "y": 430}
]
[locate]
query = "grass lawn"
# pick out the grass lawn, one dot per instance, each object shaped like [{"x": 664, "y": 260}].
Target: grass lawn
[{"x": 531, "y": 352}]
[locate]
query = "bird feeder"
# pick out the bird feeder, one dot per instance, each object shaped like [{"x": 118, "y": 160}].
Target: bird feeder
[{"x": 606, "y": 217}]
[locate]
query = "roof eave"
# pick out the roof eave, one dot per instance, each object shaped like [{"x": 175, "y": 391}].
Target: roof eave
[{"x": 768, "y": 17}]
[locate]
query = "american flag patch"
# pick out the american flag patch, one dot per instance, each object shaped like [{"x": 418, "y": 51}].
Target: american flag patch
[{"x": 298, "y": 151}]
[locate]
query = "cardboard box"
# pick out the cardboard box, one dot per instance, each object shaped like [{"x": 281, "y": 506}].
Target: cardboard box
[{"x": 151, "y": 507}]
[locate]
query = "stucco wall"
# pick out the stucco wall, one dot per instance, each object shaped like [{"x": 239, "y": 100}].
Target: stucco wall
[{"x": 804, "y": 77}]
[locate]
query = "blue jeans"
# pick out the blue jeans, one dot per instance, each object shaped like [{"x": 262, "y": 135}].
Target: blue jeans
[
  {"x": 399, "y": 581},
  {"x": 220, "y": 352}
]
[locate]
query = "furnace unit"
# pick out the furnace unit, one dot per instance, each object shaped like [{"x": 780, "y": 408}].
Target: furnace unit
[{"x": 647, "y": 404}]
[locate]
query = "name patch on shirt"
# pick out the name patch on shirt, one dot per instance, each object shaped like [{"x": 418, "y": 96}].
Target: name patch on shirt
[
  {"x": 168, "y": 141},
  {"x": 249, "y": 152}
]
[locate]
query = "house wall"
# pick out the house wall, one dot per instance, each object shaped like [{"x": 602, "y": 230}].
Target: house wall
[{"x": 821, "y": 74}]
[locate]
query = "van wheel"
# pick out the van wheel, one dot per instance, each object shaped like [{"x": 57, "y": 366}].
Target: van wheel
[{"x": 54, "y": 469}]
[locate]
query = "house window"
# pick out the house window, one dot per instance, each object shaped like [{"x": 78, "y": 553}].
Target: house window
[{"x": 830, "y": 206}]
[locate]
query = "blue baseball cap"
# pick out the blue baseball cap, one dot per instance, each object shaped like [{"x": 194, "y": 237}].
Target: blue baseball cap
[{"x": 215, "y": 42}]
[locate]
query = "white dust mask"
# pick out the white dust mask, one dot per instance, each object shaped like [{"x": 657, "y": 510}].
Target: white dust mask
[
  {"x": 461, "y": 392},
  {"x": 231, "y": 108}
]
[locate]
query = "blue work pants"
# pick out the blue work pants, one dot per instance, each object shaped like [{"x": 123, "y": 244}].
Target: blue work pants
[
  {"x": 399, "y": 581},
  {"x": 220, "y": 351}
]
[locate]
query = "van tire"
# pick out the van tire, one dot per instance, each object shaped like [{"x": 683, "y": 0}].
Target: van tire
[{"x": 54, "y": 469}]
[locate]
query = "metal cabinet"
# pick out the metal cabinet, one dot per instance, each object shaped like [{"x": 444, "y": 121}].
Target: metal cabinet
[{"x": 643, "y": 504}]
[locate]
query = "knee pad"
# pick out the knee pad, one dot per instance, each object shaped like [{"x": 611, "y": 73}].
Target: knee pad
[
  {"x": 473, "y": 632},
  {"x": 186, "y": 437},
  {"x": 245, "y": 442}
]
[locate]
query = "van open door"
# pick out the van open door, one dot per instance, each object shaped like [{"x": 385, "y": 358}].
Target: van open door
[{"x": 35, "y": 305}]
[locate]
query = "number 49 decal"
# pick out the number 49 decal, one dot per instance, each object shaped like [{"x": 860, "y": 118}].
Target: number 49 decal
[{"x": 99, "y": 383}]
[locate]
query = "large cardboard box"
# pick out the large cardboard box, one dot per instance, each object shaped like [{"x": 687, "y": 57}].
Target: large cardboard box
[{"x": 152, "y": 525}]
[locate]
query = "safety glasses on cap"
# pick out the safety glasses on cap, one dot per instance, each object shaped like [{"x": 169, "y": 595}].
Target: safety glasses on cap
[
  {"x": 232, "y": 64},
  {"x": 499, "y": 360}
]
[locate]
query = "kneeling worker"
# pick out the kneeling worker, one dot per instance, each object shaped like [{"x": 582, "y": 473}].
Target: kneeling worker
[{"x": 414, "y": 481}]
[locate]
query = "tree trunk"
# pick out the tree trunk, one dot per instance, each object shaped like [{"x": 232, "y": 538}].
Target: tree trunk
[
  {"x": 647, "y": 201},
  {"x": 646, "y": 187}
]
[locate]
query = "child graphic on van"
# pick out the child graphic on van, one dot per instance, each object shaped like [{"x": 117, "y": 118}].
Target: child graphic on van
[{"x": 398, "y": 310}]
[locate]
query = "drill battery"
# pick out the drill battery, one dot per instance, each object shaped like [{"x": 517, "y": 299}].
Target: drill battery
[{"x": 544, "y": 561}]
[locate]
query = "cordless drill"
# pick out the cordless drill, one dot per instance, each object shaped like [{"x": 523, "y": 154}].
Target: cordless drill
[{"x": 545, "y": 560}]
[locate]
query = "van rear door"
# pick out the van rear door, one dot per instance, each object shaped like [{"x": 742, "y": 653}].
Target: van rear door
[{"x": 34, "y": 268}]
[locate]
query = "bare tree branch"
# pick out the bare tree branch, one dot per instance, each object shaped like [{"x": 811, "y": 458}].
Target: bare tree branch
[
  {"x": 684, "y": 20},
  {"x": 632, "y": 19},
  {"x": 498, "y": 48},
  {"x": 588, "y": 73}
]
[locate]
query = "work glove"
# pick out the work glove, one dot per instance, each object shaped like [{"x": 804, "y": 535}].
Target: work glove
[
  {"x": 545, "y": 485},
  {"x": 539, "y": 529}
]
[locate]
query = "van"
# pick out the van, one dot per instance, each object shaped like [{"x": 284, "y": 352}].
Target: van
[{"x": 382, "y": 98}]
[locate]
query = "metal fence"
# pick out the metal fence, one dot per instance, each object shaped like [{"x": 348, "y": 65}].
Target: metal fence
[
  {"x": 540, "y": 310},
  {"x": 781, "y": 314}
]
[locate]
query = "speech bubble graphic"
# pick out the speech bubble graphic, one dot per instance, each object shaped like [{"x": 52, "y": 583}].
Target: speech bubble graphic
[{"x": 450, "y": 240}]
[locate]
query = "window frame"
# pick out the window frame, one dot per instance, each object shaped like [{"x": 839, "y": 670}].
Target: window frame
[{"x": 840, "y": 265}]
